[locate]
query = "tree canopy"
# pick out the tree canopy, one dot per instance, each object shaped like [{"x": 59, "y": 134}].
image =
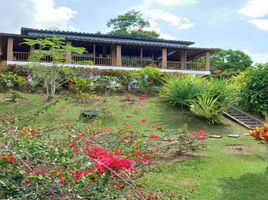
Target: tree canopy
[
  {"x": 131, "y": 23},
  {"x": 234, "y": 60}
]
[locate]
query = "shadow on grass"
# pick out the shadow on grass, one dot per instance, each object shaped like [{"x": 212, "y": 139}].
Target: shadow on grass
[{"x": 248, "y": 187}]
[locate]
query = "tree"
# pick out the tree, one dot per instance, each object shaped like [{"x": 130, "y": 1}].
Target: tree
[
  {"x": 55, "y": 48},
  {"x": 254, "y": 89},
  {"x": 131, "y": 23},
  {"x": 234, "y": 60}
]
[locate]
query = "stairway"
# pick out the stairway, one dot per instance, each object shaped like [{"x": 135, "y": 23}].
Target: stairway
[{"x": 243, "y": 118}]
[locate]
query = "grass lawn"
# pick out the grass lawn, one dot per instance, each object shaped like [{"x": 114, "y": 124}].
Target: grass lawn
[{"x": 218, "y": 174}]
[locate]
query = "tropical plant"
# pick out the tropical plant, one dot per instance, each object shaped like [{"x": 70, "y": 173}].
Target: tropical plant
[
  {"x": 208, "y": 107},
  {"x": 179, "y": 91},
  {"x": 215, "y": 98}
]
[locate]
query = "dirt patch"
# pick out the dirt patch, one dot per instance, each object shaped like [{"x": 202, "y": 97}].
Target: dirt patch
[
  {"x": 173, "y": 156},
  {"x": 21, "y": 100},
  {"x": 240, "y": 149},
  {"x": 186, "y": 181}
]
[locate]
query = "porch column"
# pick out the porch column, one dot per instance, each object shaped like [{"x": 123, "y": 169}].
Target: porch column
[
  {"x": 10, "y": 54},
  {"x": 207, "y": 60},
  {"x": 183, "y": 56},
  {"x": 113, "y": 55},
  {"x": 164, "y": 58},
  {"x": 69, "y": 53},
  {"x": 118, "y": 55}
]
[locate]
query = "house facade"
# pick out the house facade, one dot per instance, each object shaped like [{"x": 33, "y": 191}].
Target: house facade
[{"x": 113, "y": 52}]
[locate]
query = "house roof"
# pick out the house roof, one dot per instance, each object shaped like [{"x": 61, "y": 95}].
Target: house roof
[{"x": 105, "y": 38}]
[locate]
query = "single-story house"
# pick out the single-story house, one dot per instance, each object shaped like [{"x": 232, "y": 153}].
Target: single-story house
[{"x": 113, "y": 52}]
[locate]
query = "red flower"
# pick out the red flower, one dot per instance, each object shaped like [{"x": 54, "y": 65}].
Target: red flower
[
  {"x": 26, "y": 181},
  {"x": 143, "y": 120},
  {"x": 128, "y": 116},
  {"x": 69, "y": 81},
  {"x": 11, "y": 159},
  {"x": 87, "y": 142},
  {"x": 154, "y": 136},
  {"x": 78, "y": 174},
  {"x": 77, "y": 151},
  {"x": 61, "y": 181},
  {"x": 73, "y": 144}
]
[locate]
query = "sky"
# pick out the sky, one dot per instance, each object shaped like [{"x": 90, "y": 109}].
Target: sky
[{"x": 226, "y": 24}]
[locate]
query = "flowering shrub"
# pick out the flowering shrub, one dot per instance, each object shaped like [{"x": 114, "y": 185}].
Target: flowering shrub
[
  {"x": 186, "y": 142},
  {"x": 261, "y": 133},
  {"x": 82, "y": 165}
]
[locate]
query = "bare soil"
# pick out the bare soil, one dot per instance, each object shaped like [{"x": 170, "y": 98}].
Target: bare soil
[{"x": 240, "y": 149}]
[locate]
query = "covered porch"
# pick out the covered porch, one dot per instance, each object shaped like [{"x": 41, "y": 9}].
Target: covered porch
[{"x": 110, "y": 54}]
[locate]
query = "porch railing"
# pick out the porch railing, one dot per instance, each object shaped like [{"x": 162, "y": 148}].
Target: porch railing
[
  {"x": 26, "y": 56},
  {"x": 108, "y": 61}
]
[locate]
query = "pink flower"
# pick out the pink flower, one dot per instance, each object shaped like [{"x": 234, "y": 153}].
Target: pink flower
[
  {"x": 142, "y": 97},
  {"x": 73, "y": 144},
  {"x": 200, "y": 135}
]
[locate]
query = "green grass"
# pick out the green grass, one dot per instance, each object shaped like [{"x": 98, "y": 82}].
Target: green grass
[{"x": 217, "y": 174}]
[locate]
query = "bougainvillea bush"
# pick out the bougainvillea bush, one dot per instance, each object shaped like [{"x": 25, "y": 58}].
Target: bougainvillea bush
[
  {"x": 35, "y": 166},
  {"x": 94, "y": 164}
]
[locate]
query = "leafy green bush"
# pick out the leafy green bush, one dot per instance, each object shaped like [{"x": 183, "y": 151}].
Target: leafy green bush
[
  {"x": 152, "y": 72},
  {"x": 254, "y": 89},
  {"x": 179, "y": 91}
]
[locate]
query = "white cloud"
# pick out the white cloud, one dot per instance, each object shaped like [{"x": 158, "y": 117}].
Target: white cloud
[
  {"x": 46, "y": 14},
  {"x": 255, "y": 8},
  {"x": 258, "y": 57},
  {"x": 260, "y": 23},
  {"x": 174, "y": 20},
  {"x": 170, "y": 2},
  {"x": 34, "y": 13},
  {"x": 154, "y": 27}
]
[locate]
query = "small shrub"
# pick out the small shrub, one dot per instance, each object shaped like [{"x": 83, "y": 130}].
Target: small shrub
[{"x": 187, "y": 142}]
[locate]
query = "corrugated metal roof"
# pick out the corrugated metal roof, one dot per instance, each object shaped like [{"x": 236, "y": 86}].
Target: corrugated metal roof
[{"x": 106, "y": 38}]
